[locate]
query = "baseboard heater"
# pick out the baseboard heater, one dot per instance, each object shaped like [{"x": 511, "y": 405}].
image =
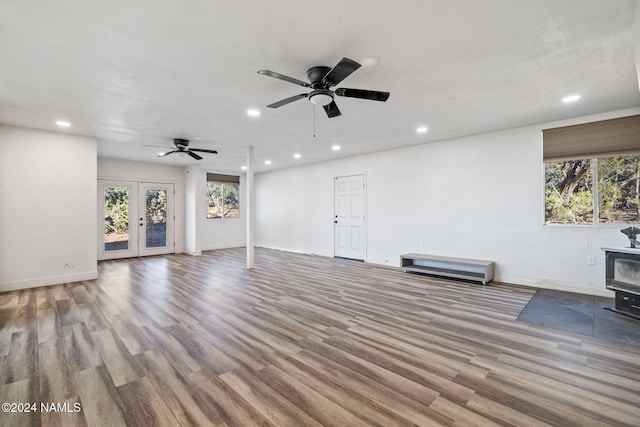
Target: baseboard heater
[{"x": 458, "y": 268}]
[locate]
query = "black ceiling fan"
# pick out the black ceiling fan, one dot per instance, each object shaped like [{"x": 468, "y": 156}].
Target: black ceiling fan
[
  {"x": 182, "y": 146},
  {"x": 321, "y": 80}
]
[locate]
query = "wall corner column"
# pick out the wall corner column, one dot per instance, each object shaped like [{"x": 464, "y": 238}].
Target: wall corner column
[
  {"x": 250, "y": 207},
  {"x": 192, "y": 207}
]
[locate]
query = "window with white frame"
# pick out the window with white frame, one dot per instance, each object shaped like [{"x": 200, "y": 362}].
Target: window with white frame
[
  {"x": 223, "y": 196},
  {"x": 592, "y": 172},
  {"x": 584, "y": 191}
]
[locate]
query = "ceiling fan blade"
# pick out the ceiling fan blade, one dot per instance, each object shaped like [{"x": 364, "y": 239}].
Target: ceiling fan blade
[
  {"x": 194, "y": 155},
  {"x": 157, "y": 146},
  {"x": 341, "y": 71},
  {"x": 332, "y": 110},
  {"x": 167, "y": 153},
  {"x": 283, "y": 77},
  {"x": 373, "y": 95},
  {"x": 287, "y": 100},
  {"x": 202, "y": 150}
]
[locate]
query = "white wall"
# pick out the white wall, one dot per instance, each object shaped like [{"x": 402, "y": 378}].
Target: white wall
[
  {"x": 47, "y": 208},
  {"x": 476, "y": 197},
  {"x": 149, "y": 172},
  {"x": 190, "y": 184},
  {"x": 219, "y": 233}
]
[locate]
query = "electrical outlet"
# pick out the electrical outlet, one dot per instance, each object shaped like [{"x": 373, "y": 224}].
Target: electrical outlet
[{"x": 591, "y": 260}]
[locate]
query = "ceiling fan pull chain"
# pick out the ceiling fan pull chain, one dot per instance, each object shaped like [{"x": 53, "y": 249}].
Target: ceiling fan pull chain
[{"x": 314, "y": 120}]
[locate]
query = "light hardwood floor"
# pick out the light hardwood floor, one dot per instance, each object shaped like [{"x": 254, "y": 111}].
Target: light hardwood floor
[{"x": 299, "y": 341}]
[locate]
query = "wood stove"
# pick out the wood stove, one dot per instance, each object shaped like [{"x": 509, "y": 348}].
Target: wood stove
[{"x": 623, "y": 277}]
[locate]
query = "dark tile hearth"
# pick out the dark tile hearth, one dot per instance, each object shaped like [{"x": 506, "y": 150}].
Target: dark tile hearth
[{"x": 580, "y": 314}]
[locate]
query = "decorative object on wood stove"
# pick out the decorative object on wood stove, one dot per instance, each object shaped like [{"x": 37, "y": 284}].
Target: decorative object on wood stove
[{"x": 631, "y": 233}]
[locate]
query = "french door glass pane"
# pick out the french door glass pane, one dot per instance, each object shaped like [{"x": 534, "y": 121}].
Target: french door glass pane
[
  {"x": 116, "y": 218},
  {"x": 156, "y": 220}
]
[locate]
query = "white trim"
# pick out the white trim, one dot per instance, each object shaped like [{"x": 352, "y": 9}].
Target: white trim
[
  {"x": 277, "y": 248},
  {"x": 48, "y": 281},
  {"x": 228, "y": 246}
]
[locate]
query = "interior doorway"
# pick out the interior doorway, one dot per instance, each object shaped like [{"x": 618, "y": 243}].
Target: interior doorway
[
  {"x": 135, "y": 219},
  {"x": 349, "y": 217}
]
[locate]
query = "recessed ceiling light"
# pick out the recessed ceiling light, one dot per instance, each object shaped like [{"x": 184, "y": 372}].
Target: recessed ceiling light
[
  {"x": 267, "y": 162},
  {"x": 422, "y": 129},
  {"x": 63, "y": 124},
  {"x": 197, "y": 138},
  {"x": 570, "y": 98},
  {"x": 244, "y": 168},
  {"x": 252, "y": 112},
  {"x": 368, "y": 61},
  {"x": 297, "y": 156},
  {"x": 336, "y": 148}
]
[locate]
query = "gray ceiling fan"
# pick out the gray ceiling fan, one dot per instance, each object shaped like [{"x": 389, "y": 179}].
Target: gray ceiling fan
[
  {"x": 321, "y": 80},
  {"x": 182, "y": 146}
]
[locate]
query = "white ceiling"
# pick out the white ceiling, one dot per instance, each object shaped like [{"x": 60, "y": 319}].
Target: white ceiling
[{"x": 146, "y": 71}]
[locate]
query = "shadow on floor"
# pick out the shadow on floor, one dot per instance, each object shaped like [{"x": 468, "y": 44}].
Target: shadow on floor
[{"x": 581, "y": 314}]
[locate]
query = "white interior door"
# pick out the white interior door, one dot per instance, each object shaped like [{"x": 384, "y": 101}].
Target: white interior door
[
  {"x": 135, "y": 219},
  {"x": 349, "y": 219}
]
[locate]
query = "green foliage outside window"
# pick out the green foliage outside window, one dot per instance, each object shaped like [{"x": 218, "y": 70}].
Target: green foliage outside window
[
  {"x": 570, "y": 190},
  {"x": 156, "y": 206},
  {"x": 618, "y": 189},
  {"x": 569, "y": 197},
  {"x": 223, "y": 200},
  {"x": 116, "y": 210}
]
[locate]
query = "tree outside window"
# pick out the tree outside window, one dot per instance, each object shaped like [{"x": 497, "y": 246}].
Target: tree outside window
[
  {"x": 609, "y": 185},
  {"x": 568, "y": 191},
  {"x": 223, "y": 200},
  {"x": 618, "y": 189}
]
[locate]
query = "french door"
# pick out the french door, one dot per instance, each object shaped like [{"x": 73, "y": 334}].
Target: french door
[
  {"x": 349, "y": 219},
  {"x": 135, "y": 219}
]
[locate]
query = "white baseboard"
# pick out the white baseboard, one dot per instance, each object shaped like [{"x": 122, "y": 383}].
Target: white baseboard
[
  {"x": 48, "y": 281},
  {"x": 214, "y": 247},
  {"x": 294, "y": 251}
]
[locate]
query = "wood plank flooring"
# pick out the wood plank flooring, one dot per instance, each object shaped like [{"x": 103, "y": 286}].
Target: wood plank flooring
[{"x": 299, "y": 341}]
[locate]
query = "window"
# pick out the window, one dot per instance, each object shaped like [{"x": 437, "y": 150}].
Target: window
[
  {"x": 618, "y": 189},
  {"x": 568, "y": 192},
  {"x": 602, "y": 190},
  {"x": 592, "y": 172},
  {"x": 223, "y": 196}
]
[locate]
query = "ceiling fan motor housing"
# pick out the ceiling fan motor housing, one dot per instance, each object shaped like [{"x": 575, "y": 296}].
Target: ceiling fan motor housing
[
  {"x": 179, "y": 142},
  {"x": 315, "y": 76}
]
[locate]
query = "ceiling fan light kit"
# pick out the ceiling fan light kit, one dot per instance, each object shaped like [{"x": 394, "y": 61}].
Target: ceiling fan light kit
[
  {"x": 321, "y": 97},
  {"x": 321, "y": 80}
]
